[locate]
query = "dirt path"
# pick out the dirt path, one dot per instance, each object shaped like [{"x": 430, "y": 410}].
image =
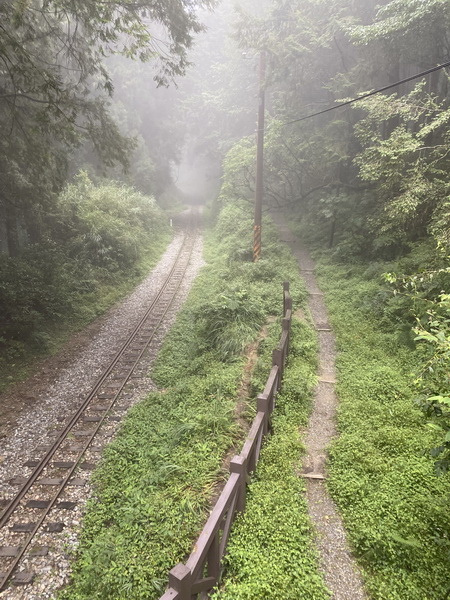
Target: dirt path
[{"x": 340, "y": 571}]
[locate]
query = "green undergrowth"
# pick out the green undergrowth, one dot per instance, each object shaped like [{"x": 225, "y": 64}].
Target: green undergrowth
[
  {"x": 395, "y": 507},
  {"x": 271, "y": 552},
  {"x": 105, "y": 237},
  {"x": 153, "y": 488},
  {"x": 154, "y": 485},
  {"x": 19, "y": 358}
]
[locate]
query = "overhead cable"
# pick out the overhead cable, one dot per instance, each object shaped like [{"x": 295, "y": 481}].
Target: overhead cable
[{"x": 372, "y": 93}]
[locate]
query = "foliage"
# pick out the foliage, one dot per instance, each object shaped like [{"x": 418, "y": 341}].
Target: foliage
[
  {"x": 307, "y": 164},
  {"x": 230, "y": 321},
  {"x": 106, "y": 225},
  {"x": 407, "y": 166},
  {"x": 232, "y": 255},
  {"x": 398, "y": 24},
  {"x": 82, "y": 34},
  {"x": 239, "y": 166},
  {"x": 103, "y": 234},
  {"x": 430, "y": 306},
  {"x": 434, "y": 381},
  {"x": 39, "y": 286},
  {"x": 393, "y": 504},
  {"x": 55, "y": 90},
  {"x": 368, "y": 181}
]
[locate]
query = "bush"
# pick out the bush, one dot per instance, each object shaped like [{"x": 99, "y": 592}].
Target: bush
[
  {"x": 107, "y": 225},
  {"x": 229, "y": 321},
  {"x": 99, "y": 234},
  {"x": 35, "y": 287}
]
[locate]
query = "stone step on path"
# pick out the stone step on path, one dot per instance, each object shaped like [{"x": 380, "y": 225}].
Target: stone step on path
[{"x": 339, "y": 568}]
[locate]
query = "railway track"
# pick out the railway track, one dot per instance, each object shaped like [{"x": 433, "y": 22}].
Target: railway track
[{"x": 41, "y": 499}]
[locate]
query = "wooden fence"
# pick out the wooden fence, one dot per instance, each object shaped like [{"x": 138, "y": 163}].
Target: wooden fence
[{"x": 201, "y": 573}]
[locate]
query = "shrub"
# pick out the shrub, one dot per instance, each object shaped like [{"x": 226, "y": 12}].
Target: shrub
[
  {"x": 106, "y": 225},
  {"x": 230, "y": 321},
  {"x": 35, "y": 287},
  {"x": 99, "y": 233}
]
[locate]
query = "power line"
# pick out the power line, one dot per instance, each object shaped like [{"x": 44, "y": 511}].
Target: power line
[{"x": 383, "y": 89}]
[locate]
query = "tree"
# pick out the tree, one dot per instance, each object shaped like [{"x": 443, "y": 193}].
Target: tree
[{"x": 54, "y": 85}]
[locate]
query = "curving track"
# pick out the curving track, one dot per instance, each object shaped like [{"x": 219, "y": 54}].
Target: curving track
[{"x": 39, "y": 504}]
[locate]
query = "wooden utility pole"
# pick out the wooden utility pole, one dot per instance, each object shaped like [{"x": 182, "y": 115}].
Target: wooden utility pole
[{"x": 259, "y": 159}]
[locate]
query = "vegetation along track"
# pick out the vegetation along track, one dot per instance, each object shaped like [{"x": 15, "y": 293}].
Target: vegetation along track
[{"x": 40, "y": 500}]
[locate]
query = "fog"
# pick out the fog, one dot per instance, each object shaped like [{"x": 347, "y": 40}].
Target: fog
[
  {"x": 183, "y": 132},
  {"x": 197, "y": 177}
]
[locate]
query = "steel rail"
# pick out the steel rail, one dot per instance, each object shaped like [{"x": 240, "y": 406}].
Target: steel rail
[
  {"x": 172, "y": 276},
  {"x": 63, "y": 435}
]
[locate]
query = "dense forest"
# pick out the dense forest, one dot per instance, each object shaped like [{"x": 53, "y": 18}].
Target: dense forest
[{"x": 115, "y": 114}]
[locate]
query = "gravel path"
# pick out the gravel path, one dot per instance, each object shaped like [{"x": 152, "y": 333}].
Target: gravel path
[
  {"x": 52, "y": 403},
  {"x": 341, "y": 573}
]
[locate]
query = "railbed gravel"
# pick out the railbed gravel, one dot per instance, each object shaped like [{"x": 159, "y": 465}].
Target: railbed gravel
[{"x": 61, "y": 399}]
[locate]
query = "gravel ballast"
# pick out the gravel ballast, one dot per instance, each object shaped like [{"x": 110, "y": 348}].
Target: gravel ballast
[{"x": 52, "y": 399}]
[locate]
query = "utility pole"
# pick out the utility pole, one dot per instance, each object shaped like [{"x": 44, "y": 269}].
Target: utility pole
[{"x": 257, "y": 229}]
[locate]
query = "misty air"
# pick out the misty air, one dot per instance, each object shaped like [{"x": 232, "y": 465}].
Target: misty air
[{"x": 224, "y": 300}]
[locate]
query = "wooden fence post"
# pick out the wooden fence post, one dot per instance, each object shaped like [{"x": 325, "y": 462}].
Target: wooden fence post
[
  {"x": 214, "y": 559},
  {"x": 277, "y": 360},
  {"x": 287, "y": 327},
  {"x": 288, "y": 303},
  {"x": 263, "y": 405},
  {"x": 239, "y": 465},
  {"x": 180, "y": 579},
  {"x": 285, "y": 295}
]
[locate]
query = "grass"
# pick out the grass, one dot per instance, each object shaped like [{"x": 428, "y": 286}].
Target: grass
[
  {"x": 394, "y": 507},
  {"x": 154, "y": 486},
  {"x": 155, "y": 482}
]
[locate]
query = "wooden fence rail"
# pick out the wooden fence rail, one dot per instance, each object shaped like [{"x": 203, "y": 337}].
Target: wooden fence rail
[{"x": 201, "y": 573}]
